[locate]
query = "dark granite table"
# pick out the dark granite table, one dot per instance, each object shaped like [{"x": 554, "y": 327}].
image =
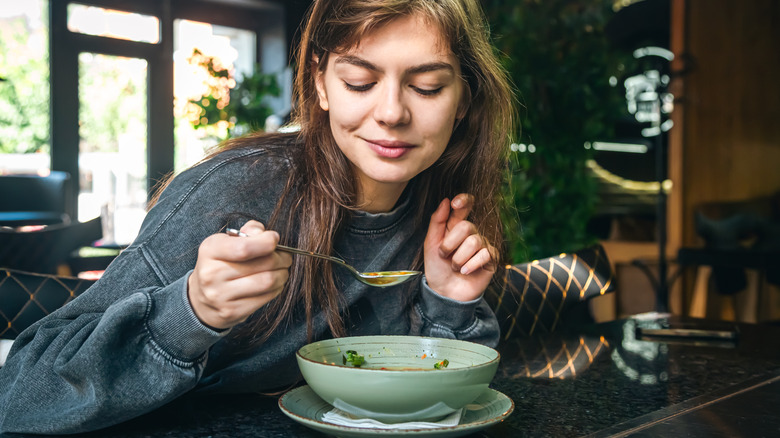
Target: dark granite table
[{"x": 600, "y": 381}]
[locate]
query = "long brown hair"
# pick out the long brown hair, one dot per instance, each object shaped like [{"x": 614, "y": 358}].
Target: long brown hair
[{"x": 322, "y": 189}]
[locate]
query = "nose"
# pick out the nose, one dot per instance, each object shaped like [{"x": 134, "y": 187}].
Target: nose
[{"x": 390, "y": 108}]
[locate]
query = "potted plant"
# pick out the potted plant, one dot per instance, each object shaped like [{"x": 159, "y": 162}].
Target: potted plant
[{"x": 233, "y": 106}]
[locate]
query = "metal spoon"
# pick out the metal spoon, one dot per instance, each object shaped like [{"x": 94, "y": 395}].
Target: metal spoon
[{"x": 376, "y": 279}]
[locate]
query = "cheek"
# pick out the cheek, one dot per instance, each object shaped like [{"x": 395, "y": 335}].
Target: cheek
[
  {"x": 438, "y": 123},
  {"x": 346, "y": 113}
]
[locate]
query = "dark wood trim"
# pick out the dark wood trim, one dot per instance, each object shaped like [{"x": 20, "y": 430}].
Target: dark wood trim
[
  {"x": 64, "y": 80},
  {"x": 161, "y": 143},
  {"x": 110, "y": 46},
  {"x": 253, "y": 19}
]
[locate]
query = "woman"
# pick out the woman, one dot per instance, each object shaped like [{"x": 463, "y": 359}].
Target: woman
[{"x": 404, "y": 113}]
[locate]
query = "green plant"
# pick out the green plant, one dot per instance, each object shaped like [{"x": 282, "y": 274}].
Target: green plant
[
  {"x": 561, "y": 63},
  {"x": 238, "y": 105},
  {"x": 112, "y": 96},
  {"x": 24, "y": 90}
]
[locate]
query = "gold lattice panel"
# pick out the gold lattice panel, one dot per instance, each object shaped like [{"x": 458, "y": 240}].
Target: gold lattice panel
[
  {"x": 552, "y": 358},
  {"x": 27, "y": 297},
  {"x": 533, "y": 296}
]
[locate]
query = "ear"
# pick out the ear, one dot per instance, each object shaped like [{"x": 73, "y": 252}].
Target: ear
[
  {"x": 465, "y": 101},
  {"x": 462, "y": 109},
  {"x": 319, "y": 83}
]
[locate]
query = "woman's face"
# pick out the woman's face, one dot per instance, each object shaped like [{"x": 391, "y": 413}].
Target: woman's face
[{"x": 392, "y": 102}]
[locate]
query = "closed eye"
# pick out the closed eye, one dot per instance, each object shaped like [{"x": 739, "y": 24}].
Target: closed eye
[
  {"x": 358, "y": 88},
  {"x": 427, "y": 92}
]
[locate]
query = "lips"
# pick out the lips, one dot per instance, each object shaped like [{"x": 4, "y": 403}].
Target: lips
[{"x": 389, "y": 148}]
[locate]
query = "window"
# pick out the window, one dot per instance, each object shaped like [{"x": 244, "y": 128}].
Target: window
[
  {"x": 24, "y": 89},
  {"x": 113, "y": 143},
  {"x": 92, "y": 20},
  {"x": 117, "y": 76},
  {"x": 229, "y": 48}
]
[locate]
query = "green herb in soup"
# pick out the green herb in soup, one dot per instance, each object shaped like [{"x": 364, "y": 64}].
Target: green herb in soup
[
  {"x": 441, "y": 365},
  {"x": 351, "y": 357}
]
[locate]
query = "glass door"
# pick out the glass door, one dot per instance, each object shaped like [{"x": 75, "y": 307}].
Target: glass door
[
  {"x": 113, "y": 111},
  {"x": 113, "y": 143}
]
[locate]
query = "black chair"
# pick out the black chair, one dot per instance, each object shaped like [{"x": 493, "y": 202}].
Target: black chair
[
  {"x": 44, "y": 250},
  {"x": 737, "y": 237},
  {"x": 545, "y": 295},
  {"x": 34, "y": 199},
  {"x": 26, "y": 297}
]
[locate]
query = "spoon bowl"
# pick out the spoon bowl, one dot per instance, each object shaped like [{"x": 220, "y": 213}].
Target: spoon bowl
[{"x": 375, "y": 279}]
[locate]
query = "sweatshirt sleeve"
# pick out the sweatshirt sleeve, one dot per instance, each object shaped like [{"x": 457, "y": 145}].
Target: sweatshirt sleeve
[
  {"x": 438, "y": 316},
  {"x": 130, "y": 343},
  {"x": 84, "y": 368}
]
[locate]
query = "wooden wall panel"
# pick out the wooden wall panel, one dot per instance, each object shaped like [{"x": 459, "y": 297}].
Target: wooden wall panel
[{"x": 728, "y": 118}]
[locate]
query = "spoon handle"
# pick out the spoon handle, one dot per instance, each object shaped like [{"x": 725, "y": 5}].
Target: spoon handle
[
  {"x": 234, "y": 232},
  {"x": 309, "y": 253},
  {"x": 375, "y": 279}
]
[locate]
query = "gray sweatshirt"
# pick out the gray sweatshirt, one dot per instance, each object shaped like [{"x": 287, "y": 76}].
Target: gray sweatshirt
[{"x": 132, "y": 343}]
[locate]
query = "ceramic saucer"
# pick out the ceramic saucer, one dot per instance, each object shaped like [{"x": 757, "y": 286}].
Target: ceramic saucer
[{"x": 304, "y": 406}]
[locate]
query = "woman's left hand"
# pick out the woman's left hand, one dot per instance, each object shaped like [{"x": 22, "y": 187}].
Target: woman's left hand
[{"x": 459, "y": 262}]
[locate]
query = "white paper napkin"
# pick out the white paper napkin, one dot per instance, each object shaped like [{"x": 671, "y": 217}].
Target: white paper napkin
[
  {"x": 341, "y": 418},
  {"x": 5, "y": 347}
]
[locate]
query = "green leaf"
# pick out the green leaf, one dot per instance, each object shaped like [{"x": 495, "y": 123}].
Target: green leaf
[
  {"x": 351, "y": 357},
  {"x": 441, "y": 364}
]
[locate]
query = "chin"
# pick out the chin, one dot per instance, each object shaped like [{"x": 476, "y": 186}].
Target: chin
[{"x": 391, "y": 176}]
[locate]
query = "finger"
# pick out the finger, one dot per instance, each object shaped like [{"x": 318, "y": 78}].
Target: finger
[
  {"x": 233, "y": 249},
  {"x": 483, "y": 259},
  {"x": 252, "y": 228},
  {"x": 438, "y": 224},
  {"x": 257, "y": 284},
  {"x": 250, "y": 247},
  {"x": 461, "y": 208},
  {"x": 252, "y": 303},
  {"x": 469, "y": 247},
  {"x": 222, "y": 294},
  {"x": 225, "y": 314},
  {"x": 455, "y": 237},
  {"x": 274, "y": 261}
]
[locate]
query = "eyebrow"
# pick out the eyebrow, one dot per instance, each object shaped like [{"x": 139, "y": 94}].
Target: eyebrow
[{"x": 422, "y": 68}]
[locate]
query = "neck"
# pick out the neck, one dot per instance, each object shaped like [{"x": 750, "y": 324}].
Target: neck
[{"x": 379, "y": 197}]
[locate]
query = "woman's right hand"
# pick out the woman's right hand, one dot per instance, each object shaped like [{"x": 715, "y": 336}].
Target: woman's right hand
[{"x": 234, "y": 277}]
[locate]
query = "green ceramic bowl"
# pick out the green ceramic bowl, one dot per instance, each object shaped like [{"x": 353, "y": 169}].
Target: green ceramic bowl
[{"x": 398, "y": 381}]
